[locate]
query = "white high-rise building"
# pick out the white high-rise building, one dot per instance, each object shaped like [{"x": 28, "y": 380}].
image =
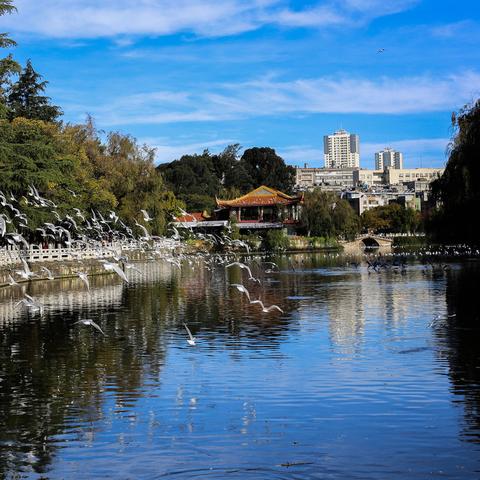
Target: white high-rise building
[
  {"x": 342, "y": 150},
  {"x": 388, "y": 158}
]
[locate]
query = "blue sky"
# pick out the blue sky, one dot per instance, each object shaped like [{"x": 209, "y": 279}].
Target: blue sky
[{"x": 184, "y": 75}]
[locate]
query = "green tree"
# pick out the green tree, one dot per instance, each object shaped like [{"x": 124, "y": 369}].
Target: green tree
[
  {"x": 265, "y": 167},
  {"x": 326, "y": 215},
  {"x": 458, "y": 190},
  {"x": 8, "y": 69},
  {"x": 25, "y": 97},
  {"x": 392, "y": 218},
  {"x": 193, "y": 179},
  {"x": 117, "y": 174},
  {"x": 6, "y": 7},
  {"x": 127, "y": 172}
]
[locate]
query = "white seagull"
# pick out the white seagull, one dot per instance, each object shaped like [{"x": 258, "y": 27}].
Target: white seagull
[
  {"x": 87, "y": 321},
  {"x": 191, "y": 338},
  {"x": 48, "y": 272},
  {"x": 84, "y": 278},
  {"x": 146, "y": 216},
  {"x": 242, "y": 289},
  {"x": 269, "y": 309},
  {"x": 114, "y": 267},
  {"x": 246, "y": 267}
]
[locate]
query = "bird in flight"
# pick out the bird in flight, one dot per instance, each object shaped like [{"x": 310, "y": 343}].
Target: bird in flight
[
  {"x": 241, "y": 289},
  {"x": 191, "y": 338},
  {"x": 146, "y": 216},
  {"x": 84, "y": 278},
  {"x": 246, "y": 267},
  {"x": 380, "y": 50},
  {"x": 87, "y": 321},
  {"x": 115, "y": 268},
  {"x": 265, "y": 309}
]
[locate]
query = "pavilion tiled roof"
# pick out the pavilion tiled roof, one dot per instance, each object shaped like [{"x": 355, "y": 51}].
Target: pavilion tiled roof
[
  {"x": 192, "y": 217},
  {"x": 261, "y": 196}
]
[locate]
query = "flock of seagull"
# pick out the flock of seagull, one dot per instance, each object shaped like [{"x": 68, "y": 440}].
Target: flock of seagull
[{"x": 79, "y": 230}]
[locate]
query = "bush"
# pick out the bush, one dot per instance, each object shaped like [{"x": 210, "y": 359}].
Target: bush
[
  {"x": 410, "y": 241},
  {"x": 323, "y": 242},
  {"x": 276, "y": 240},
  {"x": 253, "y": 241}
]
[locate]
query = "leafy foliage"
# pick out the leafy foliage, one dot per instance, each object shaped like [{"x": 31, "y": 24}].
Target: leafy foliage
[
  {"x": 25, "y": 97},
  {"x": 392, "y": 218},
  {"x": 276, "y": 240},
  {"x": 116, "y": 174},
  {"x": 458, "y": 190},
  {"x": 199, "y": 178},
  {"x": 6, "y": 6},
  {"x": 326, "y": 215},
  {"x": 265, "y": 167}
]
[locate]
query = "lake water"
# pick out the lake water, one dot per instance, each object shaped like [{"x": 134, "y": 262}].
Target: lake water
[{"x": 364, "y": 375}]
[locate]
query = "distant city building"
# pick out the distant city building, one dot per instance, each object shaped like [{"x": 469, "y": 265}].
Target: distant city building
[
  {"x": 363, "y": 201},
  {"x": 328, "y": 178},
  {"x": 337, "y": 179},
  {"x": 393, "y": 177},
  {"x": 341, "y": 150},
  {"x": 405, "y": 175},
  {"x": 388, "y": 158}
]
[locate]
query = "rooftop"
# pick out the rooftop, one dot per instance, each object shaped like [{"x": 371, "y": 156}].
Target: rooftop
[{"x": 261, "y": 196}]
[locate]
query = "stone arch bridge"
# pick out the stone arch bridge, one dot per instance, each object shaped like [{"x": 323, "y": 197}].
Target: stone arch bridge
[{"x": 368, "y": 241}]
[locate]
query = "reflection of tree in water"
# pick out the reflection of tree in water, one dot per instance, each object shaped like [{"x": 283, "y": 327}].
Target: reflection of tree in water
[
  {"x": 461, "y": 337},
  {"x": 55, "y": 374}
]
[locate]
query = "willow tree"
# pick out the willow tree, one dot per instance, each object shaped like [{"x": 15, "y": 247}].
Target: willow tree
[{"x": 457, "y": 191}]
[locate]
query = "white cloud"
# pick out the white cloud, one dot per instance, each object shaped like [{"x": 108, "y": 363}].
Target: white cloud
[
  {"x": 270, "y": 97},
  {"x": 110, "y": 18},
  {"x": 301, "y": 154},
  {"x": 451, "y": 30}
]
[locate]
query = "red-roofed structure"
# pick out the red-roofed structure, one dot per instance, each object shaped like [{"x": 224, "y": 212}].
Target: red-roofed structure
[
  {"x": 192, "y": 217},
  {"x": 262, "y": 208}
]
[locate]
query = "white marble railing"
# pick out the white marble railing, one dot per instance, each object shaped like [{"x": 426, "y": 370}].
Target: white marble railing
[{"x": 35, "y": 253}]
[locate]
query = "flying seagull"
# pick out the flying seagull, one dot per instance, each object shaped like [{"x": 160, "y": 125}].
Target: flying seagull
[
  {"x": 114, "y": 267},
  {"x": 146, "y": 216},
  {"x": 246, "y": 267},
  {"x": 241, "y": 289},
  {"x": 191, "y": 338},
  {"x": 269, "y": 309},
  {"x": 87, "y": 321},
  {"x": 84, "y": 278}
]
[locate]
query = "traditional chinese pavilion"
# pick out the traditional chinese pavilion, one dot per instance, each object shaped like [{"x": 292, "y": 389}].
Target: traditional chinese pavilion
[{"x": 262, "y": 208}]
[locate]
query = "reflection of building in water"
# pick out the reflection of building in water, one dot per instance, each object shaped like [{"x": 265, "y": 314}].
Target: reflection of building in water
[
  {"x": 392, "y": 297},
  {"x": 345, "y": 306}
]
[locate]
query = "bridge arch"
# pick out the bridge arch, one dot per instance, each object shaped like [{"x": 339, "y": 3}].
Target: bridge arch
[{"x": 370, "y": 242}]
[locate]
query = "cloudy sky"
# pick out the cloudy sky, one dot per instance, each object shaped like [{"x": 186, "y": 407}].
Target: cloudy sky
[{"x": 184, "y": 75}]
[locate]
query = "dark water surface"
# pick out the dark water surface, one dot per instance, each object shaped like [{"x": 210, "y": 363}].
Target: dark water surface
[{"x": 364, "y": 375}]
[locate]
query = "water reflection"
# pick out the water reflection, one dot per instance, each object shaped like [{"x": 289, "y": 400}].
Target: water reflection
[
  {"x": 352, "y": 357},
  {"x": 458, "y": 333}
]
